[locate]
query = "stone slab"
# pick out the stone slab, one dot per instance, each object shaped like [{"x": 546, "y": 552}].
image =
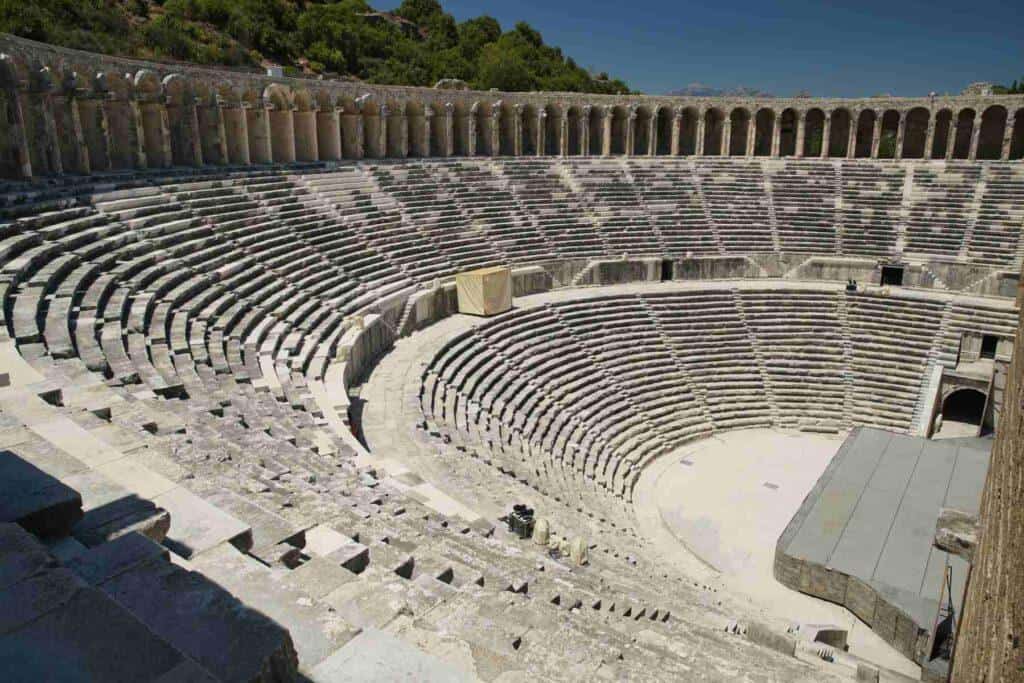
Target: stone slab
[{"x": 376, "y": 655}]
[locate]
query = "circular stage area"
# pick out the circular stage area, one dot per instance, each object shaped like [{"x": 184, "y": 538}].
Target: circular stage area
[{"x": 716, "y": 507}]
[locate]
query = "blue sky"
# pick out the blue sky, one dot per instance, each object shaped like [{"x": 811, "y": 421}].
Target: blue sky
[{"x": 902, "y": 47}]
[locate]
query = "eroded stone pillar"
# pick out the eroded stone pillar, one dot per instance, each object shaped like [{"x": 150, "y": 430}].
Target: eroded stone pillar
[
  {"x": 384, "y": 116},
  {"x": 75, "y": 152},
  {"x": 403, "y": 132},
  {"x": 496, "y": 130},
  {"x": 328, "y": 133},
  {"x": 449, "y": 129},
  {"x": 19, "y": 138},
  {"x": 801, "y": 133},
  {"x": 606, "y": 132},
  {"x": 542, "y": 129},
  {"x": 631, "y": 132},
  {"x": 428, "y": 122},
  {"x": 951, "y": 137},
  {"x": 677, "y": 130},
  {"x": 585, "y": 130},
  {"x": 751, "y": 135},
  {"x": 929, "y": 137},
  {"x": 826, "y": 135},
  {"x": 563, "y": 135},
  {"x": 724, "y": 145},
  {"x": 975, "y": 136},
  {"x": 776, "y": 136},
  {"x": 517, "y": 130},
  {"x": 876, "y": 137},
  {"x": 652, "y": 136},
  {"x": 50, "y": 139},
  {"x": 701, "y": 124},
  {"x": 236, "y": 130},
  {"x": 1004, "y": 153},
  {"x": 471, "y": 145},
  {"x": 222, "y": 130},
  {"x": 851, "y": 139},
  {"x": 901, "y": 132}
]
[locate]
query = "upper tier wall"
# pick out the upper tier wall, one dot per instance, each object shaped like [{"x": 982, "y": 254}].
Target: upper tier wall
[{"x": 75, "y": 112}]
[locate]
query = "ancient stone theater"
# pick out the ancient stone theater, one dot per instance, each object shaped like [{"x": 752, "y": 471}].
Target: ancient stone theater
[{"x": 314, "y": 380}]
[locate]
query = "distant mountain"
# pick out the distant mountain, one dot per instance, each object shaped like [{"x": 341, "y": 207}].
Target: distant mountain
[{"x": 702, "y": 90}]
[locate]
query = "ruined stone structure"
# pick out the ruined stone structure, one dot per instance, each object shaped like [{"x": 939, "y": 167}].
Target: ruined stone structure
[
  {"x": 72, "y": 112},
  {"x": 204, "y": 276}
]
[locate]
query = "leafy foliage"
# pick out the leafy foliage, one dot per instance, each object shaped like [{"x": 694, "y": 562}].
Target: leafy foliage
[
  {"x": 1015, "y": 88},
  {"x": 418, "y": 43}
]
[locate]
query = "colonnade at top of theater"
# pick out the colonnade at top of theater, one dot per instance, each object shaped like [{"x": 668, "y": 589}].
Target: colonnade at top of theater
[{"x": 70, "y": 112}]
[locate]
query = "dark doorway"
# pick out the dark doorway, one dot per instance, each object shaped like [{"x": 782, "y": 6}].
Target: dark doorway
[
  {"x": 964, "y": 405},
  {"x": 988, "y": 346},
  {"x": 892, "y": 275},
  {"x": 666, "y": 270}
]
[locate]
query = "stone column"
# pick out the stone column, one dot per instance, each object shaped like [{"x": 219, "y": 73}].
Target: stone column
[
  {"x": 606, "y": 131},
  {"x": 471, "y": 144},
  {"x": 585, "y": 131},
  {"x": 563, "y": 135},
  {"x": 165, "y": 132},
  {"x": 94, "y": 106},
  {"x": 801, "y": 133},
  {"x": 517, "y": 130},
  {"x": 975, "y": 136},
  {"x": 701, "y": 123},
  {"x": 1004, "y": 153},
  {"x": 51, "y": 141},
  {"x": 652, "y": 136},
  {"x": 901, "y": 132},
  {"x": 929, "y": 138},
  {"x": 243, "y": 132},
  {"x": 851, "y": 139},
  {"x": 222, "y": 137},
  {"x": 631, "y": 131},
  {"x": 78, "y": 158},
  {"x": 19, "y": 137},
  {"x": 725, "y": 144},
  {"x": 428, "y": 119},
  {"x": 328, "y": 130},
  {"x": 542, "y": 119},
  {"x": 776, "y": 136},
  {"x": 192, "y": 118},
  {"x": 449, "y": 129},
  {"x": 496, "y": 130},
  {"x": 384, "y": 113},
  {"x": 677, "y": 125},
  {"x": 751, "y": 135},
  {"x": 826, "y": 135},
  {"x": 360, "y": 150},
  {"x": 403, "y": 132},
  {"x": 876, "y": 136},
  {"x": 951, "y": 136}
]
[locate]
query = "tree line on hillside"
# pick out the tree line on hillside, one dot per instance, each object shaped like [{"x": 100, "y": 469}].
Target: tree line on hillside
[
  {"x": 1015, "y": 88},
  {"x": 416, "y": 44}
]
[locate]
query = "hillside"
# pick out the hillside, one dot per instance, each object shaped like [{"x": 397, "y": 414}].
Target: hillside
[{"x": 416, "y": 44}]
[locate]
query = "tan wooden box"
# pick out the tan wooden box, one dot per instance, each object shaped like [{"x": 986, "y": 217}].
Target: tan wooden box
[{"x": 487, "y": 291}]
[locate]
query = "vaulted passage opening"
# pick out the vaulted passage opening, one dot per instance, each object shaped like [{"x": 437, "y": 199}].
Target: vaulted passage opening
[
  {"x": 890, "y": 131},
  {"x": 865, "y": 133},
  {"x": 990, "y": 140},
  {"x": 964, "y": 406},
  {"x": 915, "y": 133},
  {"x": 787, "y": 133},
  {"x": 839, "y": 135},
  {"x": 763, "y": 125},
  {"x": 814, "y": 129},
  {"x": 943, "y": 123}
]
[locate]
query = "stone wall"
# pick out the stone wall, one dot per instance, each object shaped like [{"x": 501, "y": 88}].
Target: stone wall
[
  {"x": 989, "y": 643},
  {"x": 76, "y": 112}
]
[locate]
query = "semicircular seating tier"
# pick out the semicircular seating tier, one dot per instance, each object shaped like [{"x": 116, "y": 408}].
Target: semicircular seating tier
[{"x": 579, "y": 396}]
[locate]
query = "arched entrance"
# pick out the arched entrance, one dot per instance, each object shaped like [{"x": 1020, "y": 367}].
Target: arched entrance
[{"x": 963, "y": 412}]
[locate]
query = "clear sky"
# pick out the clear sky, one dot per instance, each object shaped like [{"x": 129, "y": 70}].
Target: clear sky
[{"x": 901, "y": 47}]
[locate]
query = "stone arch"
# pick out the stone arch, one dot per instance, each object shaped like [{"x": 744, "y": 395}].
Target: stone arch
[
  {"x": 280, "y": 111},
  {"x": 964, "y": 405},
  {"x": 642, "y": 119},
  {"x": 257, "y": 127},
  {"x": 890, "y": 131},
  {"x": 328, "y": 126},
  {"x": 181, "y": 121},
  {"x": 814, "y": 132},
  {"x": 1017, "y": 137},
  {"x": 396, "y": 138},
  {"x": 865, "y": 134},
  {"x": 529, "y": 130},
  {"x": 943, "y": 126},
  {"x": 993, "y": 128},
  {"x": 739, "y": 131},
  {"x": 915, "y": 133},
  {"x": 764, "y": 128},
  {"x": 620, "y": 129},
  {"x": 552, "y": 130},
  {"x": 595, "y": 130},
  {"x": 665, "y": 120},
  {"x": 787, "y": 133},
  {"x": 307, "y": 146},
  {"x": 839, "y": 133},
  {"x": 688, "y": 128},
  {"x": 574, "y": 143},
  {"x": 714, "y": 124},
  {"x": 964, "y": 132},
  {"x": 150, "y": 95}
]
